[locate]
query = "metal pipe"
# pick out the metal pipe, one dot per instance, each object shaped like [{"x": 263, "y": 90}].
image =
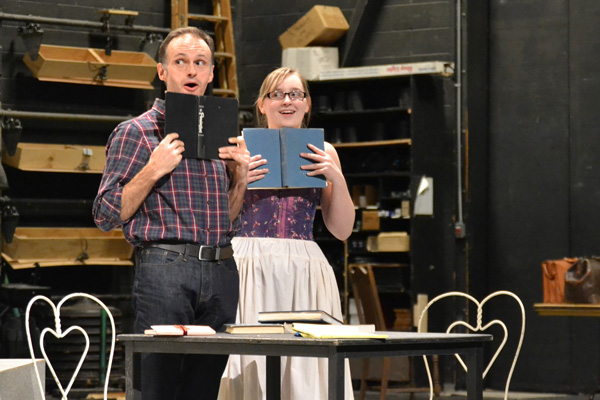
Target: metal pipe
[
  {"x": 459, "y": 124},
  {"x": 81, "y": 23},
  {"x": 63, "y": 117}
]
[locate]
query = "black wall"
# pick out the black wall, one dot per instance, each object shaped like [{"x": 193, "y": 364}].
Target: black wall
[
  {"x": 543, "y": 173},
  {"x": 530, "y": 185}
]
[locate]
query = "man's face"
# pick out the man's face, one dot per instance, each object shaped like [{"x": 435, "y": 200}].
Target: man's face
[{"x": 188, "y": 67}]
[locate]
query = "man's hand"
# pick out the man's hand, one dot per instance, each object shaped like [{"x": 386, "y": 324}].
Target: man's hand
[
  {"x": 238, "y": 159},
  {"x": 167, "y": 155}
]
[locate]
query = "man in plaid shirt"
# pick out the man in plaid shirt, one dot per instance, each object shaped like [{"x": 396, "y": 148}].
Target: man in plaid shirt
[{"x": 179, "y": 213}]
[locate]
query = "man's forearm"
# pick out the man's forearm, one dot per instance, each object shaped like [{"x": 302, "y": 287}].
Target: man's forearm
[
  {"x": 136, "y": 191},
  {"x": 236, "y": 199}
]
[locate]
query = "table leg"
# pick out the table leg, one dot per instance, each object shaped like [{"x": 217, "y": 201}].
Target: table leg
[
  {"x": 475, "y": 374},
  {"x": 273, "y": 377},
  {"x": 336, "y": 376},
  {"x": 128, "y": 372}
]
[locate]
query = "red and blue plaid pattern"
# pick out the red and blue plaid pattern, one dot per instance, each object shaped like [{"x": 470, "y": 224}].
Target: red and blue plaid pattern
[{"x": 188, "y": 205}]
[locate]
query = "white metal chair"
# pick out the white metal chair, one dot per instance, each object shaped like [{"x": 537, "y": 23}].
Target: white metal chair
[
  {"x": 479, "y": 327},
  {"x": 59, "y": 333}
]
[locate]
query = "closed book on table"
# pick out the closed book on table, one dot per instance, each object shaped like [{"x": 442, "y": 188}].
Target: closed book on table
[
  {"x": 281, "y": 148},
  {"x": 312, "y": 316},
  {"x": 180, "y": 330},
  {"x": 254, "y": 328},
  {"x": 204, "y": 123}
]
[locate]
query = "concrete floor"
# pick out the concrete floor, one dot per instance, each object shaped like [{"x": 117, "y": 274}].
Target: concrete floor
[
  {"x": 491, "y": 395},
  {"x": 373, "y": 395}
]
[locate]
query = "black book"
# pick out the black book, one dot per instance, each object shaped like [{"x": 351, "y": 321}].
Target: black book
[{"x": 204, "y": 123}]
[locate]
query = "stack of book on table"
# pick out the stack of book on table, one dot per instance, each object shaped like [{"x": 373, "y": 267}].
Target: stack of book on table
[{"x": 280, "y": 321}]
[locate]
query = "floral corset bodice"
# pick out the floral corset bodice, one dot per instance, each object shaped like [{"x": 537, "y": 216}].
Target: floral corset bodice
[{"x": 287, "y": 213}]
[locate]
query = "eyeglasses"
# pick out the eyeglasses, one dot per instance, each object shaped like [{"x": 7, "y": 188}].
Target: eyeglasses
[{"x": 280, "y": 95}]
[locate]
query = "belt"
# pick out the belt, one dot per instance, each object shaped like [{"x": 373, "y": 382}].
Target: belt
[{"x": 203, "y": 253}]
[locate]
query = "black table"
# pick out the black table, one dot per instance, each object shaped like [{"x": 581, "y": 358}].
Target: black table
[{"x": 273, "y": 346}]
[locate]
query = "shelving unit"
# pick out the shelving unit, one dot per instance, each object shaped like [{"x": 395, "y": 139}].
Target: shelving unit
[{"x": 374, "y": 123}]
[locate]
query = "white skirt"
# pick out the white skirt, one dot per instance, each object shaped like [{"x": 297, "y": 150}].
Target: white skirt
[{"x": 281, "y": 275}]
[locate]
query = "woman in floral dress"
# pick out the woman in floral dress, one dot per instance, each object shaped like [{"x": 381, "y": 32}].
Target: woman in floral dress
[{"x": 281, "y": 266}]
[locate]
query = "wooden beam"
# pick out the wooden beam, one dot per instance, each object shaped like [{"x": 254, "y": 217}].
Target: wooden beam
[{"x": 360, "y": 24}]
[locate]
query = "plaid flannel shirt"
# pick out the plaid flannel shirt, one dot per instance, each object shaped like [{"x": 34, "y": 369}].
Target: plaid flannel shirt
[{"x": 188, "y": 205}]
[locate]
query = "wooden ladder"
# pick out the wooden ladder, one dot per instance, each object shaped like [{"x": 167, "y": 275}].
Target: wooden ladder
[{"x": 224, "y": 44}]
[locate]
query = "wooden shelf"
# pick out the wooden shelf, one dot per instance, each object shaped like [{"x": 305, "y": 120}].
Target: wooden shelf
[
  {"x": 567, "y": 310},
  {"x": 48, "y": 247},
  {"x": 44, "y": 157},
  {"x": 362, "y": 113},
  {"x": 384, "y": 174},
  {"x": 93, "y": 67},
  {"x": 377, "y": 265},
  {"x": 392, "y": 142}
]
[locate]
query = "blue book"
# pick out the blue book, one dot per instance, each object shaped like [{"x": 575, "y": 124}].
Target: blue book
[{"x": 281, "y": 148}]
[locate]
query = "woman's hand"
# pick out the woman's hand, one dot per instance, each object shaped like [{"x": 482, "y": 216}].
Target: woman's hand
[
  {"x": 323, "y": 164},
  {"x": 255, "y": 173}
]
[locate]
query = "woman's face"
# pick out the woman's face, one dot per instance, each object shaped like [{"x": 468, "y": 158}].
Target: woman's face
[{"x": 287, "y": 112}]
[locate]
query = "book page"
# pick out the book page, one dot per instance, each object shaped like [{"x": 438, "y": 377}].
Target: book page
[{"x": 320, "y": 331}]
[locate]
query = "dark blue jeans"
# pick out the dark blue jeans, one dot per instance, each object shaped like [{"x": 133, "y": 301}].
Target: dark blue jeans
[{"x": 170, "y": 289}]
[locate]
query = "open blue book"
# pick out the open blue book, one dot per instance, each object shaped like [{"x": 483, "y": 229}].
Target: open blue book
[{"x": 281, "y": 148}]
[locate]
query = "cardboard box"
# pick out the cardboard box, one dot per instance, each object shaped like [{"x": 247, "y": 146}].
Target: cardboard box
[
  {"x": 321, "y": 25},
  {"x": 390, "y": 241},
  {"x": 310, "y": 61},
  {"x": 370, "y": 220}
]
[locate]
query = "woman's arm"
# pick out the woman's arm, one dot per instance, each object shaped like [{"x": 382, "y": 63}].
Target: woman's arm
[{"x": 336, "y": 202}]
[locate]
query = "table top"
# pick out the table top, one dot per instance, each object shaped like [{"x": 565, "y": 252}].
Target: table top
[
  {"x": 394, "y": 337},
  {"x": 567, "y": 310}
]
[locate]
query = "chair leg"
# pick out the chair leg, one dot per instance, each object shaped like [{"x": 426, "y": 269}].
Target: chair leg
[
  {"x": 363, "y": 379},
  {"x": 385, "y": 376},
  {"x": 437, "y": 387}
]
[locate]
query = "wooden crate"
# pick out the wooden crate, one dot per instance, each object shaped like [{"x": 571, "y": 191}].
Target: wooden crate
[
  {"x": 65, "y": 246},
  {"x": 57, "y": 158},
  {"x": 84, "y": 65}
]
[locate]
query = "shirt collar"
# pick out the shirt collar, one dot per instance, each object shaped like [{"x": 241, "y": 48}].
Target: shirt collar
[{"x": 159, "y": 106}]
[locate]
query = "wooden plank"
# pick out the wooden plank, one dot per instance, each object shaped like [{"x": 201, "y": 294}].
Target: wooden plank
[
  {"x": 93, "y": 66},
  {"x": 567, "y": 310},
  {"x": 115, "y": 11},
  {"x": 179, "y": 13},
  {"x": 67, "y": 246},
  {"x": 109, "y": 396},
  {"x": 57, "y": 158}
]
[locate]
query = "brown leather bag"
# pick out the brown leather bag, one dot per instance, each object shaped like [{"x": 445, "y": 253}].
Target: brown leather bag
[
  {"x": 553, "y": 273},
  {"x": 582, "y": 281}
]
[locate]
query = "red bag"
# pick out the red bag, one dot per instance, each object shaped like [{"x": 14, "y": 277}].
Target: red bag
[{"x": 553, "y": 273}]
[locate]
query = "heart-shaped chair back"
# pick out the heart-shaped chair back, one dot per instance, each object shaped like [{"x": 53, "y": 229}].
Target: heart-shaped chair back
[
  {"x": 59, "y": 333},
  {"x": 479, "y": 327}
]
